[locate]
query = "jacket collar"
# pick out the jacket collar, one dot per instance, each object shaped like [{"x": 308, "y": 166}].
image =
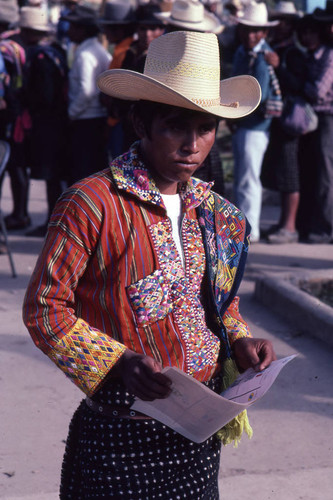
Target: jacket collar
[{"x": 131, "y": 175}]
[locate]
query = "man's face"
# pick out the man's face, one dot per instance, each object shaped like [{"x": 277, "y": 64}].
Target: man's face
[
  {"x": 250, "y": 36},
  {"x": 283, "y": 30},
  {"x": 177, "y": 146},
  {"x": 309, "y": 38},
  {"x": 32, "y": 37},
  {"x": 147, "y": 33}
]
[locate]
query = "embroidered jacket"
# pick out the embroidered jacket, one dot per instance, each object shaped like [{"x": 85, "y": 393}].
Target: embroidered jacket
[{"x": 110, "y": 277}]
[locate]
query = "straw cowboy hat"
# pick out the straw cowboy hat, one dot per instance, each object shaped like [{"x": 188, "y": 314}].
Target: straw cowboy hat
[
  {"x": 255, "y": 14},
  {"x": 34, "y": 18},
  {"x": 183, "y": 69},
  {"x": 117, "y": 12},
  {"x": 192, "y": 15},
  {"x": 9, "y": 12},
  {"x": 284, "y": 9}
]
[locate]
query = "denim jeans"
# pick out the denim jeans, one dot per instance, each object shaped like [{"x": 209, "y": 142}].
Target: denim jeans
[{"x": 249, "y": 147}]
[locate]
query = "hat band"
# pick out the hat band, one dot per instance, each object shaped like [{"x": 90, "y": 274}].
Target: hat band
[{"x": 206, "y": 103}]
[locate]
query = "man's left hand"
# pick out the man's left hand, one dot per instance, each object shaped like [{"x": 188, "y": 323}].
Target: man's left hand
[{"x": 253, "y": 353}]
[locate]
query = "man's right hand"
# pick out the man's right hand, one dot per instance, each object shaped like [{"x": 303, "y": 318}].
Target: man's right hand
[{"x": 142, "y": 376}]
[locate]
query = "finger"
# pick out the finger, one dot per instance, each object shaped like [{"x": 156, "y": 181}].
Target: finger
[
  {"x": 251, "y": 356},
  {"x": 152, "y": 385},
  {"x": 151, "y": 391},
  {"x": 162, "y": 379},
  {"x": 266, "y": 355}
]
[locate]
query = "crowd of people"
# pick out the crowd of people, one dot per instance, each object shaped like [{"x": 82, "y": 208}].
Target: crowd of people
[{"x": 50, "y": 105}]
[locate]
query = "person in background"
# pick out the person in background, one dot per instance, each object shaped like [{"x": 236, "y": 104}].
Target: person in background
[
  {"x": 147, "y": 27},
  {"x": 63, "y": 26},
  {"x": 229, "y": 39},
  {"x": 45, "y": 89},
  {"x": 281, "y": 170},
  {"x": 15, "y": 120},
  {"x": 214, "y": 6},
  {"x": 250, "y": 136},
  {"x": 315, "y": 214},
  {"x": 325, "y": 18},
  {"x": 118, "y": 25},
  {"x": 140, "y": 271},
  {"x": 86, "y": 113}
]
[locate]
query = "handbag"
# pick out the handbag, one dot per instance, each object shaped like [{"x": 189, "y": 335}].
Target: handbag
[{"x": 298, "y": 117}]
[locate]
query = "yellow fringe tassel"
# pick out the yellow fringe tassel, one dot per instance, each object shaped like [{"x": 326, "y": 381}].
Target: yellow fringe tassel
[{"x": 234, "y": 429}]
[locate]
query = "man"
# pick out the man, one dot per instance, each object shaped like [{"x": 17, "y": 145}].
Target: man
[
  {"x": 45, "y": 89},
  {"x": 14, "y": 120},
  {"x": 118, "y": 26},
  {"x": 325, "y": 18},
  {"x": 86, "y": 113},
  {"x": 280, "y": 168},
  {"x": 140, "y": 270},
  {"x": 251, "y": 135},
  {"x": 315, "y": 214}
]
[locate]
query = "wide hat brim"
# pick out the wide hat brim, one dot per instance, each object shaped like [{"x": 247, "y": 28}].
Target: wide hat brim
[
  {"x": 257, "y": 24},
  {"x": 239, "y": 95},
  {"x": 208, "y": 24},
  {"x": 85, "y": 21},
  {"x": 105, "y": 21}
]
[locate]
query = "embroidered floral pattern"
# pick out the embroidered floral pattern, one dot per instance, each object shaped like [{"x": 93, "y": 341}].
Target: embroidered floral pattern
[
  {"x": 150, "y": 298},
  {"x": 131, "y": 175},
  {"x": 202, "y": 346}
]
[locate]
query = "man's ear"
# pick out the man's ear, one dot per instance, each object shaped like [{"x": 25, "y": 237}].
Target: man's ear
[{"x": 138, "y": 126}]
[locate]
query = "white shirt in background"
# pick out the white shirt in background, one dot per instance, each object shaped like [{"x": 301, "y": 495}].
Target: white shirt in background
[{"x": 90, "y": 60}]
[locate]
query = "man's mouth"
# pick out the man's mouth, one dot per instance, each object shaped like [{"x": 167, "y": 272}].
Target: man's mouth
[{"x": 187, "y": 164}]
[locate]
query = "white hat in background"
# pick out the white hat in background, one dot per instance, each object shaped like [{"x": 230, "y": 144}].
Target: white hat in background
[
  {"x": 255, "y": 14},
  {"x": 192, "y": 15},
  {"x": 284, "y": 9},
  {"x": 34, "y": 18}
]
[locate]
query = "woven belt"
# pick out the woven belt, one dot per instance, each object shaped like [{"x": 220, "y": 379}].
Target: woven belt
[{"x": 115, "y": 411}]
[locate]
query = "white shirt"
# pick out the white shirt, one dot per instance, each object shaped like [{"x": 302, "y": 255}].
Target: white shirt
[
  {"x": 173, "y": 207},
  {"x": 90, "y": 59}
]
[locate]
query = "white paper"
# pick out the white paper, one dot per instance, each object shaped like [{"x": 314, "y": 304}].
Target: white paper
[{"x": 196, "y": 412}]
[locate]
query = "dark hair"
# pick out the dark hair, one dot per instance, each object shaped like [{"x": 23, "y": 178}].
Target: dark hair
[
  {"x": 148, "y": 110},
  {"x": 91, "y": 31},
  {"x": 308, "y": 22}
]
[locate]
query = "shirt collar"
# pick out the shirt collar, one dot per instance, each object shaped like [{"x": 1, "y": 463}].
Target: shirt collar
[
  {"x": 317, "y": 54},
  {"x": 86, "y": 43},
  {"x": 259, "y": 46},
  {"x": 131, "y": 175}
]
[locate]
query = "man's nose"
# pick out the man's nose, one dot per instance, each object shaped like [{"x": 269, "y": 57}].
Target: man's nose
[{"x": 191, "y": 141}]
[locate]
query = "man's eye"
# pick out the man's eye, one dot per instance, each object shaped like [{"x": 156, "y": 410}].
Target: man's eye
[
  {"x": 206, "y": 129},
  {"x": 177, "y": 127}
]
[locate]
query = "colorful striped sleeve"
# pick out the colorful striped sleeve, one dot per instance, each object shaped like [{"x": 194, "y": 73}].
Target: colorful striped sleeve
[{"x": 85, "y": 354}]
